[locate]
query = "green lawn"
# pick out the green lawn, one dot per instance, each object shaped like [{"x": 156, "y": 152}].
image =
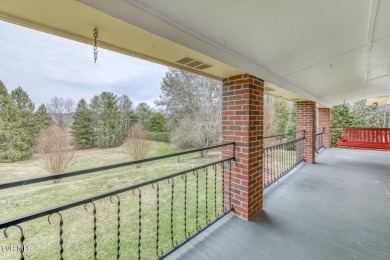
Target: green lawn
[{"x": 78, "y": 223}]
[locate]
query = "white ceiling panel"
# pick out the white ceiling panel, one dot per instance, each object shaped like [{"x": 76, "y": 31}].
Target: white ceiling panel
[
  {"x": 379, "y": 65},
  {"x": 341, "y": 75},
  {"x": 378, "y": 84},
  {"x": 282, "y": 36},
  {"x": 382, "y": 21}
]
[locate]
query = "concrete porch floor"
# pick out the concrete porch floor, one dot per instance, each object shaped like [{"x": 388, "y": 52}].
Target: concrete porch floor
[{"x": 338, "y": 208}]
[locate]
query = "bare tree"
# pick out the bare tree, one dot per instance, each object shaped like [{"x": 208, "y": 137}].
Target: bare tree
[
  {"x": 193, "y": 106},
  {"x": 61, "y": 111},
  {"x": 137, "y": 144},
  {"x": 56, "y": 153},
  {"x": 199, "y": 130},
  {"x": 371, "y": 116},
  {"x": 270, "y": 120}
]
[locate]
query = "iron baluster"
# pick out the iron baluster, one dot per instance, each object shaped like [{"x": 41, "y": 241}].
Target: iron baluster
[
  {"x": 275, "y": 163},
  {"x": 94, "y": 228},
  {"x": 282, "y": 151},
  {"x": 206, "y": 170},
  {"x": 171, "y": 220},
  {"x": 22, "y": 238},
  {"x": 223, "y": 187},
  {"x": 215, "y": 190},
  {"x": 285, "y": 158},
  {"x": 280, "y": 165},
  {"x": 272, "y": 155},
  {"x": 184, "y": 177},
  {"x": 276, "y": 160},
  {"x": 157, "y": 217},
  {"x": 289, "y": 157},
  {"x": 139, "y": 222},
  {"x": 197, "y": 200},
  {"x": 282, "y": 159},
  {"x": 230, "y": 185},
  {"x": 61, "y": 232},
  {"x": 119, "y": 224},
  {"x": 269, "y": 171}
]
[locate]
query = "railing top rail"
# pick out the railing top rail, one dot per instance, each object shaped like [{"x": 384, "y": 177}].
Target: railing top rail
[
  {"x": 6, "y": 185},
  {"x": 285, "y": 143},
  {"x": 290, "y": 133},
  {"x": 55, "y": 209},
  {"x": 366, "y": 128}
]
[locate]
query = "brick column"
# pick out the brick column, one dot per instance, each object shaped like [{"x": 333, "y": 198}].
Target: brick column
[
  {"x": 324, "y": 123},
  {"x": 242, "y": 122},
  {"x": 306, "y": 120}
]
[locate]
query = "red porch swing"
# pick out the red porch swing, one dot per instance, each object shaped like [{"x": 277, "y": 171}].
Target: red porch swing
[{"x": 378, "y": 138}]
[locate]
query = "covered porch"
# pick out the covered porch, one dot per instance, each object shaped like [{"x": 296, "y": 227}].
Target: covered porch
[{"x": 338, "y": 208}]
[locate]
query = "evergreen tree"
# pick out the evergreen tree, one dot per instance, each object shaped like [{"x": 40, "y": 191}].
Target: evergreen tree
[
  {"x": 127, "y": 114},
  {"x": 285, "y": 113},
  {"x": 143, "y": 113},
  {"x": 158, "y": 123},
  {"x": 7, "y": 120},
  {"x": 107, "y": 120},
  {"x": 42, "y": 118},
  {"x": 341, "y": 117},
  {"x": 83, "y": 126},
  {"x": 19, "y": 124}
]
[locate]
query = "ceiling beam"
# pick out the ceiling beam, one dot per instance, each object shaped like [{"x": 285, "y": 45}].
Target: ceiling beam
[{"x": 370, "y": 35}]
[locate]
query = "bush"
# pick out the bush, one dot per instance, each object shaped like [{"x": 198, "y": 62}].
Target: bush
[
  {"x": 159, "y": 136},
  {"x": 137, "y": 143}
]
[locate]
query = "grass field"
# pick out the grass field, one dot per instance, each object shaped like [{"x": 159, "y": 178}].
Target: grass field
[{"x": 78, "y": 223}]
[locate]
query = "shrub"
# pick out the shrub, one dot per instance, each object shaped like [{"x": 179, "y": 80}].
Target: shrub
[{"x": 159, "y": 136}]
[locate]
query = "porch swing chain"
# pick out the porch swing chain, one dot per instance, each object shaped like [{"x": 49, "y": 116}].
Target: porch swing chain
[{"x": 95, "y": 49}]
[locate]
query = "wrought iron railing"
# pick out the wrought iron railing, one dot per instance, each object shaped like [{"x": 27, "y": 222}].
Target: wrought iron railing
[
  {"x": 281, "y": 158},
  {"x": 147, "y": 220},
  {"x": 320, "y": 140}
]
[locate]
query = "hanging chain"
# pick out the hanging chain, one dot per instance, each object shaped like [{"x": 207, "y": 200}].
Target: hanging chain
[{"x": 95, "y": 49}]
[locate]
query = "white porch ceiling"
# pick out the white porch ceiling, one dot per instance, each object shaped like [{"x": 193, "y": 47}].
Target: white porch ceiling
[
  {"x": 337, "y": 51},
  {"x": 328, "y": 51}
]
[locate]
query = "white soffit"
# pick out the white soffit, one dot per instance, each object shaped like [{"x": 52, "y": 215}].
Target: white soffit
[
  {"x": 284, "y": 42},
  {"x": 326, "y": 51}
]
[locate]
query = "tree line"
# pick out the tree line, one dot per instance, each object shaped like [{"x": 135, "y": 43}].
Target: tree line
[
  {"x": 190, "y": 112},
  {"x": 20, "y": 123},
  {"x": 105, "y": 121}
]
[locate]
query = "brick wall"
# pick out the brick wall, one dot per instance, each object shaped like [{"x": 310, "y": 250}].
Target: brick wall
[
  {"x": 306, "y": 120},
  {"x": 324, "y": 123},
  {"x": 242, "y": 122}
]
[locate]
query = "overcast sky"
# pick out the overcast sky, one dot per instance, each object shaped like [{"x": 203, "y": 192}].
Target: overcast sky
[{"x": 46, "y": 66}]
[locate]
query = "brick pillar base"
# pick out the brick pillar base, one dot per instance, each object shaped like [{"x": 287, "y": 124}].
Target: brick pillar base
[
  {"x": 306, "y": 120},
  {"x": 324, "y": 123},
  {"x": 242, "y": 122}
]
